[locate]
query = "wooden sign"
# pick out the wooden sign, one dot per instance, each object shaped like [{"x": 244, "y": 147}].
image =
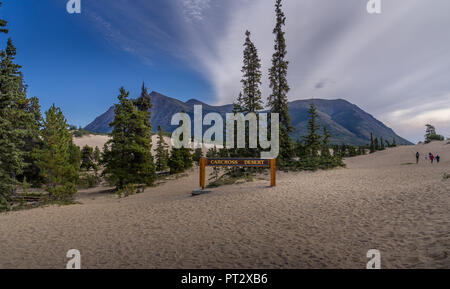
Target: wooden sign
[{"x": 237, "y": 163}]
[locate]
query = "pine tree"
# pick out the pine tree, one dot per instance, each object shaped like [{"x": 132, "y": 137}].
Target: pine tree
[
  {"x": 32, "y": 140},
  {"x": 372, "y": 144},
  {"x": 198, "y": 154},
  {"x": 394, "y": 143},
  {"x": 278, "y": 101},
  {"x": 176, "y": 161},
  {"x": 186, "y": 154},
  {"x": 87, "y": 158},
  {"x": 250, "y": 98},
  {"x": 15, "y": 122},
  {"x": 97, "y": 156},
  {"x": 312, "y": 140},
  {"x": 376, "y": 144},
  {"x": 128, "y": 158},
  {"x": 213, "y": 153},
  {"x": 56, "y": 159},
  {"x": 162, "y": 152},
  {"x": 143, "y": 103},
  {"x": 325, "y": 152},
  {"x": 382, "y": 147}
]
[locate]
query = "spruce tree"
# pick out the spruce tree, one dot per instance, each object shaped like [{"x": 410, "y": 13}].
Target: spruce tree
[
  {"x": 57, "y": 159},
  {"x": 312, "y": 140},
  {"x": 372, "y": 144},
  {"x": 250, "y": 98},
  {"x": 15, "y": 122},
  {"x": 127, "y": 158},
  {"x": 213, "y": 153},
  {"x": 87, "y": 158},
  {"x": 143, "y": 104},
  {"x": 376, "y": 144},
  {"x": 32, "y": 140},
  {"x": 198, "y": 154},
  {"x": 97, "y": 156},
  {"x": 278, "y": 100},
  {"x": 176, "y": 161},
  {"x": 162, "y": 152},
  {"x": 325, "y": 152}
]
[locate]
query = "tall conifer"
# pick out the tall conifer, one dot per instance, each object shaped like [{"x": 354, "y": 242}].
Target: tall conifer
[
  {"x": 127, "y": 155},
  {"x": 278, "y": 100}
]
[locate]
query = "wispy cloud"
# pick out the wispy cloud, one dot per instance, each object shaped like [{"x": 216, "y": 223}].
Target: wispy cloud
[
  {"x": 194, "y": 9},
  {"x": 396, "y": 61}
]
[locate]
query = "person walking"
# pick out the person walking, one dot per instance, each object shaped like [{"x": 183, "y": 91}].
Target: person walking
[
  {"x": 438, "y": 158},
  {"x": 417, "y": 157},
  {"x": 431, "y": 158}
]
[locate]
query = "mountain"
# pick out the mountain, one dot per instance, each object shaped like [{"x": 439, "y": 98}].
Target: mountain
[{"x": 347, "y": 122}]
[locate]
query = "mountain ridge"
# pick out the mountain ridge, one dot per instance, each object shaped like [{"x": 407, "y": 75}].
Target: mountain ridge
[{"x": 347, "y": 122}]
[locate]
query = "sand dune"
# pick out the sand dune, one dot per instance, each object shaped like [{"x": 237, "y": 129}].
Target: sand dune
[
  {"x": 327, "y": 219},
  {"x": 99, "y": 140}
]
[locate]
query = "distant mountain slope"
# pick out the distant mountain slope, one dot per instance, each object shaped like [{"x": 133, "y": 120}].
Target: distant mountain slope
[{"x": 347, "y": 122}]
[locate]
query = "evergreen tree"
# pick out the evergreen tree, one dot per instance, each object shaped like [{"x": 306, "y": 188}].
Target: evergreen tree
[
  {"x": 143, "y": 103},
  {"x": 300, "y": 149},
  {"x": 56, "y": 159},
  {"x": 394, "y": 143},
  {"x": 198, "y": 154},
  {"x": 15, "y": 122},
  {"x": 186, "y": 154},
  {"x": 87, "y": 158},
  {"x": 376, "y": 144},
  {"x": 162, "y": 152},
  {"x": 127, "y": 158},
  {"x": 250, "y": 98},
  {"x": 372, "y": 144},
  {"x": 312, "y": 140},
  {"x": 97, "y": 156},
  {"x": 32, "y": 140},
  {"x": 176, "y": 161},
  {"x": 97, "y": 160},
  {"x": 325, "y": 152},
  {"x": 278, "y": 101},
  {"x": 382, "y": 147},
  {"x": 213, "y": 153},
  {"x": 431, "y": 134}
]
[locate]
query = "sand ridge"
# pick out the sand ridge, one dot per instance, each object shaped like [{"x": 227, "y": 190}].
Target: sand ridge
[{"x": 325, "y": 219}]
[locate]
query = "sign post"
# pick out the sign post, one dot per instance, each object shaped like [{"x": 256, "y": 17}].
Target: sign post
[{"x": 238, "y": 163}]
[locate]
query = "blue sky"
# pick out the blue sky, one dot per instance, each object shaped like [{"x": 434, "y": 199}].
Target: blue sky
[
  {"x": 67, "y": 60},
  {"x": 395, "y": 66}
]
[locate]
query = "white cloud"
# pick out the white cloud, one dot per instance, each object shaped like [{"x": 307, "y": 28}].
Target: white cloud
[
  {"x": 194, "y": 9},
  {"x": 383, "y": 63},
  {"x": 389, "y": 63}
]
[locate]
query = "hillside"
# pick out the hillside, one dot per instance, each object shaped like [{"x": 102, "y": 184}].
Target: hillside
[{"x": 347, "y": 122}]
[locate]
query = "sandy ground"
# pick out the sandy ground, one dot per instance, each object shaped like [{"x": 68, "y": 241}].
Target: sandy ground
[
  {"x": 327, "y": 219},
  {"x": 99, "y": 140}
]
